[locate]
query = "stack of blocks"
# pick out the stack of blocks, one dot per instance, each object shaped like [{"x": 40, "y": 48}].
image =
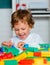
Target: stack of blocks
[{"x": 30, "y": 56}]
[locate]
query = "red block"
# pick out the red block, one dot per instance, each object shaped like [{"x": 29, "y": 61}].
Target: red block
[
  {"x": 4, "y": 57},
  {"x": 45, "y": 61},
  {"x": 26, "y": 62},
  {"x": 0, "y": 57},
  {"x": 2, "y": 54},
  {"x": 9, "y": 55},
  {"x": 37, "y": 53}
]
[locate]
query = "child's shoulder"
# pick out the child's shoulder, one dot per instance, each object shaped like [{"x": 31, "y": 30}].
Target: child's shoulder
[
  {"x": 34, "y": 34},
  {"x": 37, "y": 37}
]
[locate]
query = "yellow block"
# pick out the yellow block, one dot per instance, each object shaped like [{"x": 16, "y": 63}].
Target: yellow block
[
  {"x": 49, "y": 49},
  {"x": 48, "y": 63},
  {"x": 9, "y": 59},
  {"x": 45, "y": 54},
  {"x": 1, "y": 62},
  {"x": 39, "y": 61},
  {"x": 21, "y": 56},
  {"x": 30, "y": 54}
]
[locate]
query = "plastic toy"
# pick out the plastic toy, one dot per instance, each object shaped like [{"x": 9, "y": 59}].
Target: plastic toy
[
  {"x": 10, "y": 62},
  {"x": 13, "y": 50},
  {"x": 30, "y": 56}
]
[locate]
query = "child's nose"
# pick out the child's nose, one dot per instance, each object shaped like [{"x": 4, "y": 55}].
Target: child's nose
[{"x": 20, "y": 31}]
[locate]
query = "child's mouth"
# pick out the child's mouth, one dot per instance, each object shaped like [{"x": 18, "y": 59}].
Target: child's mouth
[{"x": 22, "y": 36}]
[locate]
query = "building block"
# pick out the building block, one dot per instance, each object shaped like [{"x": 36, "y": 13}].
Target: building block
[
  {"x": 48, "y": 59},
  {"x": 43, "y": 49},
  {"x": 45, "y": 54},
  {"x": 32, "y": 49},
  {"x": 21, "y": 56},
  {"x": 4, "y": 57},
  {"x": 13, "y": 50},
  {"x": 1, "y": 62},
  {"x": 37, "y": 54},
  {"x": 40, "y": 61},
  {"x": 45, "y": 45},
  {"x": 42, "y": 54},
  {"x": 48, "y": 63},
  {"x": 45, "y": 61},
  {"x": 26, "y": 46},
  {"x": 2, "y": 54},
  {"x": 48, "y": 49},
  {"x": 1, "y": 49},
  {"x": 29, "y": 49},
  {"x": 26, "y": 62},
  {"x": 7, "y": 56},
  {"x": 10, "y": 62},
  {"x": 35, "y": 49},
  {"x": 30, "y": 54}
]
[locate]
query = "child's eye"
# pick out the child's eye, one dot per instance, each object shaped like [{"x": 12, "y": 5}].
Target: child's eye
[
  {"x": 16, "y": 29},
  {"x": 23, "y": 28}
]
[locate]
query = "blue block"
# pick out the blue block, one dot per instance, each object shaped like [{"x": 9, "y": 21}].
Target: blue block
[
  {"x": 1, "y": 49},
  {"x": 26, "y": 46}
]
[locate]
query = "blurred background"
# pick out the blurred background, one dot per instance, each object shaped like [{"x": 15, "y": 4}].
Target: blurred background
[{"x": 40, "y": 10}]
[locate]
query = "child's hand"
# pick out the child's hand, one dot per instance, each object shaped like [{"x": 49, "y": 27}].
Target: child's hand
[
  {"x": 7, "y": 43},
  {"x": 21, "y": 45},
  {"x": 4, "y": 43}
]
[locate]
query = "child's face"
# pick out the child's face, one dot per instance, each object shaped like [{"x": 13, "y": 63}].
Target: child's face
[{"x": 22, "y": 29}]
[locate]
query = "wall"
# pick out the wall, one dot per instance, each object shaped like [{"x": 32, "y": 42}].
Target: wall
[
  {"x": 42, "y": 26},
  {"x": 5, "y": 29},
  {"x": 5, "y": 18}
]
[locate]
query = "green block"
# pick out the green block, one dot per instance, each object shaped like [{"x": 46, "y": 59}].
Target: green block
[
  {"x": 45, "y": 45},
  {"x": 10, "y": 62},
  {"x": 35, "y": 49},
  {"x": 43, "y": 49},
  {"x": 32, "y": 49},
  {"x": 48, "y": 59},
  {"x": 13, "y": 50},
  {"x": 31, "y": 57}
]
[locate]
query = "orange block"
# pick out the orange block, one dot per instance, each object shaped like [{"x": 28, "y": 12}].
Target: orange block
[
  {"x": 26, "y": 62},
  {"x": 37, "y": 53},
  {"x": 45, "y": 61}
]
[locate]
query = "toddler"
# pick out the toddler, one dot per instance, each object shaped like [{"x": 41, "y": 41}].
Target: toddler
[{"x": 22, "y": 22}]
